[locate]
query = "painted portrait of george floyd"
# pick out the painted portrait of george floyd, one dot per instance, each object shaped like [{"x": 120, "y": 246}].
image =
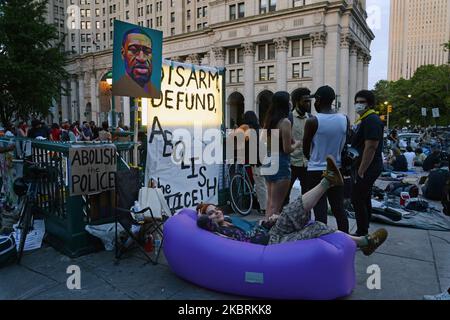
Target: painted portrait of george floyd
[{"x": 137, "y": 61}]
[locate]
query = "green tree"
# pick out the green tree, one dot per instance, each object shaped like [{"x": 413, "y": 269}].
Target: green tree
[
  {"x": 31, "y": 60},
  {"x": 428, "y": 88}
]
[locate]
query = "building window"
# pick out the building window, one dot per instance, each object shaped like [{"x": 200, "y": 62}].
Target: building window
[
  {"x": 232, "y": 76},
  {"x": 306, "y": 72},
  {"x": 296, "y": 70},
  {"x": 172, "y": 31},
  {"x": 231, "y": 56},
  {"x": 188, "y": 29},
  {"x": 240, "y": 58},
  {"x": 199, "y": 13},
  {"x": 72, "y": 37},
  {"x": 267, "y": 6},
  {"x": 271, "y": 51},
  {"x": 188, "y": 14},
  {"x": 307, "y": 44},
  {"x": 205, "y": 11},
  {"x": 240, "y": 75},
  {"x": 262, "y": 52},
  {"x": 271, "y": 73},
  {"x": 233, "y": 12},
  {"x": 241, "y": 10},
  {"x": 295, "y": 48},
  {"x": 298, "y": 3},
  {"x": 262, "y": 74},
  {"x": 172, "y": 17}
]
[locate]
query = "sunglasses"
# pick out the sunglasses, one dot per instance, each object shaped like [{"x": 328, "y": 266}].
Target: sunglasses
[{"x": 135, "y": 49}]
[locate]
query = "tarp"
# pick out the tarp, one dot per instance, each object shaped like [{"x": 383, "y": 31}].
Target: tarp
[{"x": 393, "y": 214}]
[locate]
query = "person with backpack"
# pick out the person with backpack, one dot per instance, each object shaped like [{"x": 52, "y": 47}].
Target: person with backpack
[{"x": 368, "y": 140}]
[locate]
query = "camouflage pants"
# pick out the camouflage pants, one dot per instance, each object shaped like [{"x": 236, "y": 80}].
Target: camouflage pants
[{"x": 295, "y": 224}]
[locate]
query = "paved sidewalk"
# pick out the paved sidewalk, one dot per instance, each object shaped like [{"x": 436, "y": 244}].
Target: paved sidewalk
[{"x": 412, "y": 262}]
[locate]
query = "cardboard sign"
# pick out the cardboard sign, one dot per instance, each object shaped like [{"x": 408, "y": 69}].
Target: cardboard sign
[
  {"x": 191, "y": 101},
  {"x": 92, "y": 169}
]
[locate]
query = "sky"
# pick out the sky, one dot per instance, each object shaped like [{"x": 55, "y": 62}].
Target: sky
[{"x": 378, "y": 20}]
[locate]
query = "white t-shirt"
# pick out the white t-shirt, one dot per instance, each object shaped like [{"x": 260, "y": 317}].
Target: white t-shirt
[{"x": 410, "y": 159}]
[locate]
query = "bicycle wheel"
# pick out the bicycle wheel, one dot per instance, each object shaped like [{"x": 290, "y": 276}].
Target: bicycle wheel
[
  {"x": 241, "y": 195},
  {"x": 25, "y": 227}
]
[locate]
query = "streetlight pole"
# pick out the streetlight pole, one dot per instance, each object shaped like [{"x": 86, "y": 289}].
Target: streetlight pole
[{"x": 109, "y": 80}]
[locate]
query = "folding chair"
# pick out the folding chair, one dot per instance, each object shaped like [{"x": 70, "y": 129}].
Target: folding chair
[{"x": 154, "y": 208}]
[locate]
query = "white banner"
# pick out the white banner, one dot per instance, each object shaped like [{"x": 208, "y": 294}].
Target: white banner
[
  {"x": 424, "y": 112},
  {"x": 180, "y": 124},
  {"x": 436, "y": 113}
]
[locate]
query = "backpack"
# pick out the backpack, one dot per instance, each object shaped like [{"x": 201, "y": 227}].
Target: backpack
[{"x": 8, "y": 251}]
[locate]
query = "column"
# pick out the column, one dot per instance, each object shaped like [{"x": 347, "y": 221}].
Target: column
[
  {"x": 73, "y": 99},
  {"x": 282, "y": 46},
  {"x": 193, "y": 58},
  {"x": 332, "y": 61},
  {"x": 318, "y": 42},
  {"x": 345, "y": 72},
  {"x": 367, "y": 59},
  {"x": 206, "y": 59},
  {"x": 81, "y": 101},
  {"x": 94, "y": 103},
  {"x": 352, "y": 77},
  {"x": 219, "y": 55},
  {"x": 65, "y": 102},
  {"x": 360, "y": 68},
  {"x": 249, "y": 76}
]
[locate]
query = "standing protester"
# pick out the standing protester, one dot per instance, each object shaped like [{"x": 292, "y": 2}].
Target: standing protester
[
  {"x": 55, "y": 132},
  {"x": 326, "y": 134},
  {"x": 301, "y": 100},
  {"x": 86, "y": 132},
  {"x": 104, "y": 134},
  {"x": 278, "y": 183},
  {"x": 22, "y": 129},
  {"x": 368, "y": 140},
  {"x": 95, "y": 130},
  {"x": 251, "y": 121},
  {"x": 37, "y": 130}
]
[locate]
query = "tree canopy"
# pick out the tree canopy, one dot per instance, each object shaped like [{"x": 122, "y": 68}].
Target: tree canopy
[
  {"x": 31, "y": 60},
  {"x": 429, "y": 88}
]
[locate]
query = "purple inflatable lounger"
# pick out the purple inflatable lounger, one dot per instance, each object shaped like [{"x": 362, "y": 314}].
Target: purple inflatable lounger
[{"x": 321, "y": 268}]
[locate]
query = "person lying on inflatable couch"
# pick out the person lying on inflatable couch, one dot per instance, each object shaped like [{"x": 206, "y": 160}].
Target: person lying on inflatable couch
[{"x": 294, "y": 223}]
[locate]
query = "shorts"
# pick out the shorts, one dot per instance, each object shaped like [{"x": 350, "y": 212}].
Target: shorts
[{"x": 284, "y": 168}]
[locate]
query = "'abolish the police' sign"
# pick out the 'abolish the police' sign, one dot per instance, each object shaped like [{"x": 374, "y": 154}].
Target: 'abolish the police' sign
[{"x": 92, "y": 169}]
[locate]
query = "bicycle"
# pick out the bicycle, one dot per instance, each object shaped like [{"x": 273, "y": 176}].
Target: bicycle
[
  {"x": 27, "y": 189},
  {"x": 241, "y": 189}
]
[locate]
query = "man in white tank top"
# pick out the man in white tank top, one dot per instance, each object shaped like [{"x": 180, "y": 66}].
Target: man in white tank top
[{"x": 326, "y": 134}]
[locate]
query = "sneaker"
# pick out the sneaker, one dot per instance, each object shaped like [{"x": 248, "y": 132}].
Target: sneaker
[
  {"x": 332, "y": 173},
  {"x": 441, "y": 296},
  {"x": 375, "y": 240}
]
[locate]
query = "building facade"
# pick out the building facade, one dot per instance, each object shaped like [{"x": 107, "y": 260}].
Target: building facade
[
  {"x": 265, "y": 46},
  {"x": 417, "y": 31}
]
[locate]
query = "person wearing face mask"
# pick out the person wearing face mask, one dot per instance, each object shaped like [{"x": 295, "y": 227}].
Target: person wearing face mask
[
  {"x": 326, "y": 133},
  {"x": 301, "y": 101},
  {"x": 368, "y": 140}
]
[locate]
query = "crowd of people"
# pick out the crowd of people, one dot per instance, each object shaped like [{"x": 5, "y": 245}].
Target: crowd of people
[
  {"x": 65, "y": 131},
  {"x": 311, "y": 149}
]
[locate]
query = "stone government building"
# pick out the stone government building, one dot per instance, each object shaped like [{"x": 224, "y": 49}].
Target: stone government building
[{"x": 265, "y": 46}]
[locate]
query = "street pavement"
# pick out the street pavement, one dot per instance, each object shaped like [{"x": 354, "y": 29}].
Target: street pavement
[{"x": 412, "y": 262}]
